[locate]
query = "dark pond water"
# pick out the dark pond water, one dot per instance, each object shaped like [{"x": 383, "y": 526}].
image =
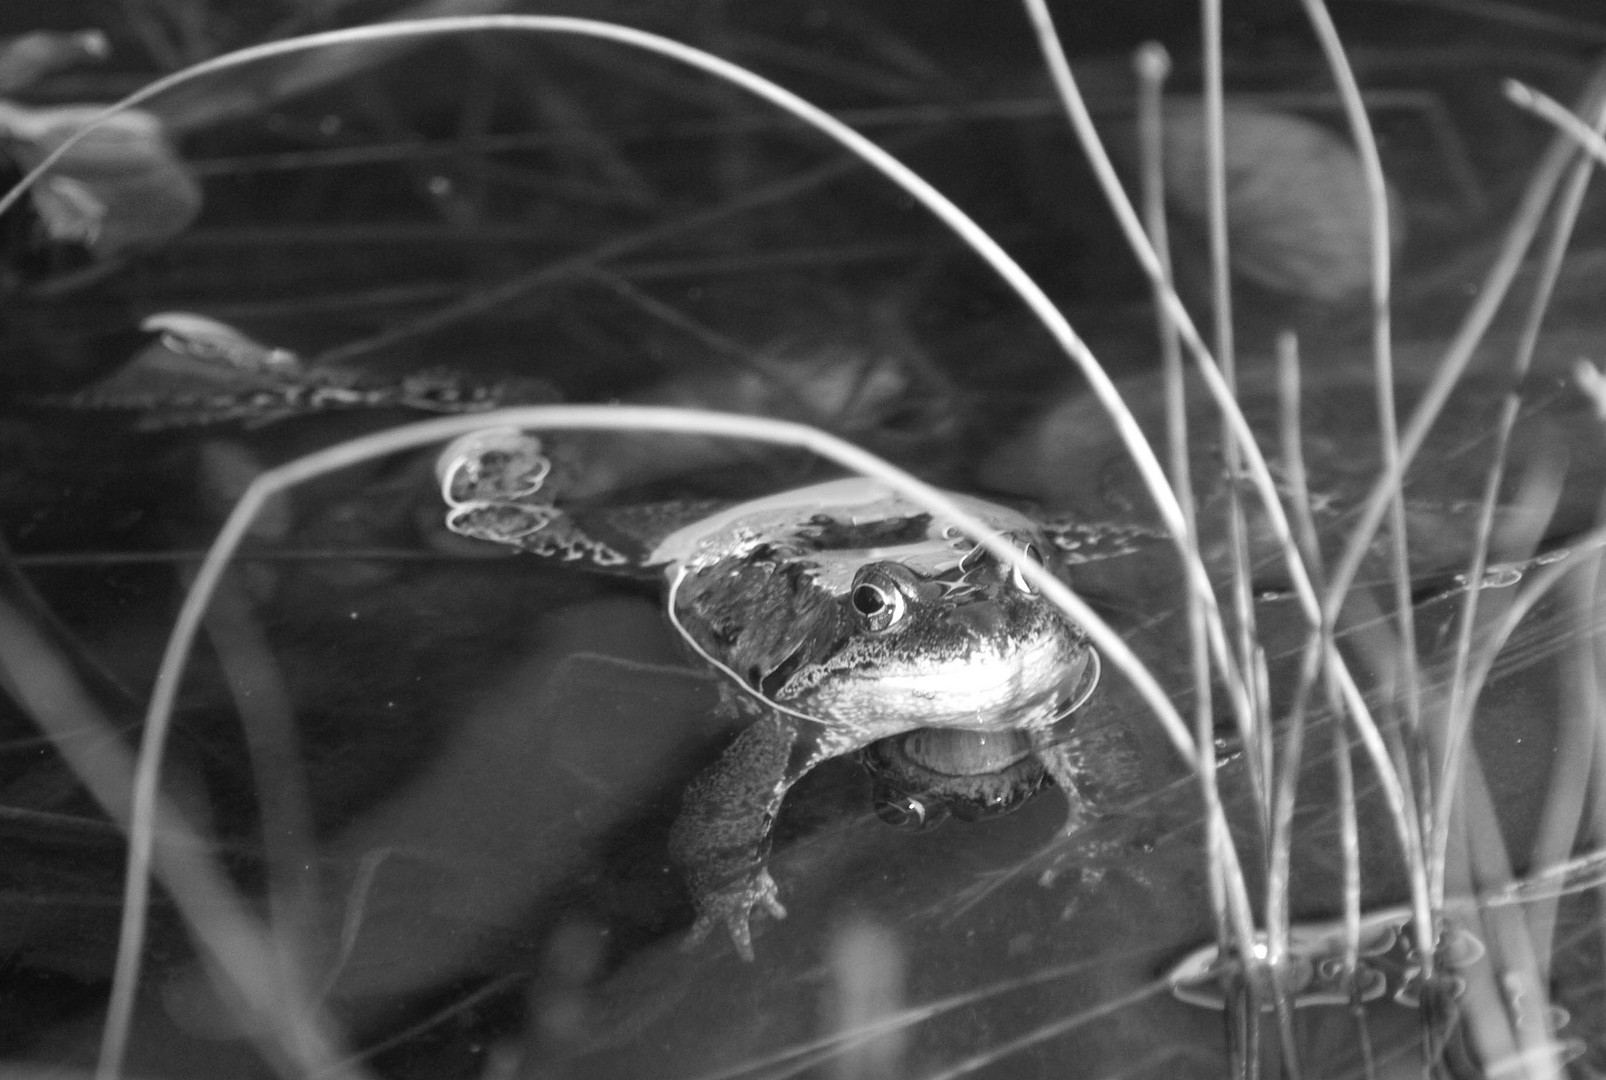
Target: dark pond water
[{"x": 445, "y": 778}]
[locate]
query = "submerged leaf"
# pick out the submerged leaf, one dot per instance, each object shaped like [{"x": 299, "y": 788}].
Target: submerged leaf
[
  {"x": 121, "y": 188},
  {"x": 26, "y": 59},
  {"x": 1297, "y": 214}
]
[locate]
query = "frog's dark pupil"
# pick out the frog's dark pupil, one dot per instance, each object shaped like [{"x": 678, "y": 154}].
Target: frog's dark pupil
[{"x": 867, "y": 600}]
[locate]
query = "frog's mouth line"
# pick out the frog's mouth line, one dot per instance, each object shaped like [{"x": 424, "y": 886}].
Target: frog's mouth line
[{"x": 771, "y": 685}]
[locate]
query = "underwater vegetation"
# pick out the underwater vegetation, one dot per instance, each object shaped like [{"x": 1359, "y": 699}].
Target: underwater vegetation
[{"x": 1082, "y": 565}]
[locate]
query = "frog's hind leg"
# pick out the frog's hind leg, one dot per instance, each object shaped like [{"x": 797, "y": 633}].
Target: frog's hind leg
[
  {"x": 1065, "y": 766},
  {"x": 721, "y": 840}
]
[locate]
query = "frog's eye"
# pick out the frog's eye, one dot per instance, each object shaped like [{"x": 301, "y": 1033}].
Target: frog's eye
[
  {"x": 881, "y": 606},
  {"x": 1017, "y": 579}
]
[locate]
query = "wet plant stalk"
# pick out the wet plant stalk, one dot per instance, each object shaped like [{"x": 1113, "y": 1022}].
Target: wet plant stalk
[
  {"x": 1567, "y": 122},
  {"x": 1277, "y": 879},
  {"x": 1152, "y": 65},
  {"x": 293, "y": 1036},
  {"x": 1255, "y": 727},
  {"x": 1288, "y": 765},
  {"x": 1416, "y": 753},
  {"x": 267, "y": 716}
]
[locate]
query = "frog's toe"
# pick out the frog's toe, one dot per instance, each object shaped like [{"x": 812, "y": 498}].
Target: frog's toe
[{"x": 734, "y": 906}]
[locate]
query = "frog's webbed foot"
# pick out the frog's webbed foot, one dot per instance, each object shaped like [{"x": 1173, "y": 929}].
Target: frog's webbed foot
[
  {"x": 721, "y": 839},
  {"x": 495, "y": 486},
  {"x": 734, "y": 905}
]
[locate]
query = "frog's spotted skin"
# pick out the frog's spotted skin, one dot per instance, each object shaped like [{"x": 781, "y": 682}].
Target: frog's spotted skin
[
  {"x": 196, "y": 371},
  {"x": 841, "y": 613}
]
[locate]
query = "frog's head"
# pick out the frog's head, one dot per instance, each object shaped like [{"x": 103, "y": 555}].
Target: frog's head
[
  {"x": 858, "y": 610},
  {"x": 969, "y": 645}
]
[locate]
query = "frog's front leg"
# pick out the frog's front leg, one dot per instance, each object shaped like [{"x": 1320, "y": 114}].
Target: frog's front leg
[
  {"x": 1065, "y": 767},
  {"x": 721, "y": 841},
  {"x": 1101, "y": 761}
]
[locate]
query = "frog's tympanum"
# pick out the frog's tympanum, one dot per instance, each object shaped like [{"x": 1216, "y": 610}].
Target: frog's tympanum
[{"x": 841, "y": 614}]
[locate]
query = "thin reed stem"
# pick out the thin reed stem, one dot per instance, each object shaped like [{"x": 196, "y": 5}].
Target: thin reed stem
[
  {"x": 1255, "y": 726},
  {"x": 1280, "y": 845},
  {"x": 1287, "y": 771},
  {"x": 1215, "y": 143},
  {"x": 1542, "y": 105},
  {"x": 1151, "y": 65},
  {"x": 1381, "y": 250},
  {"x": 267, "y": 715},
  {"x": 294, "y": 1037},
  {"x": 1349, "y": 842}
]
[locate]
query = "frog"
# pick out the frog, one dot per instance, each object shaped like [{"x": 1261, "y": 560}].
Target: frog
[
  {"x": 837, "y": 615},
  {"x": 193, "y": 371}
]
